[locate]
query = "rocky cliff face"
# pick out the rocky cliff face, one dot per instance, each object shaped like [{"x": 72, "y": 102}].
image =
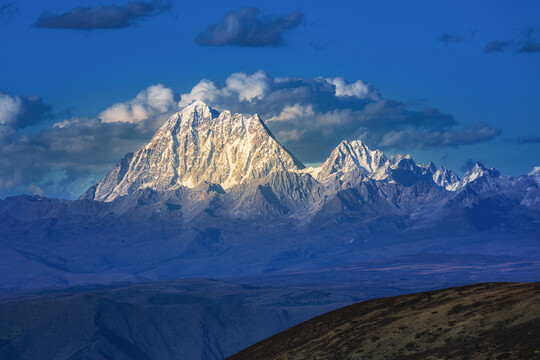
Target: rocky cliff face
[
  {"x": 352, "y": 156},
  {"x": 194, "y": 146}
]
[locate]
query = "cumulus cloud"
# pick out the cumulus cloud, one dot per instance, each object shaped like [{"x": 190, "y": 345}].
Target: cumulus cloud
[
  {"x": 433, "y": 139},
  {"x": 8, "y": 9},
  {"x": 9, "y": 108},
  {"x": 357, "y": 89},
  {"x": 248, "y": 27},
  {"x": 19, "y": 112},
  {"x": 527, "y": 43},
  {"x": 239, "y": 86},
  {"x": 153, "y": 101},
  {"x": 102, "y": 16},
  {"x": 311, "y": 116},
  {"x": 292, "y": 112},
  {"x": 447, "y": 38},
  {"x": 65, "y": 159}
]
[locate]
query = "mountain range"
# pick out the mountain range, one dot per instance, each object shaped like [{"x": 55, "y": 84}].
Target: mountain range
[
  {"x": 215, "y": 194},
  {"x": 202, "y": 146},
  {"x": 213, "y": 236},
  {"x": 234, "y": 163}
]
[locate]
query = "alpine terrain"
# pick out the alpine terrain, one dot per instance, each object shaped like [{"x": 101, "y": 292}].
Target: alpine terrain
[
  {"x": 215, "y": 194},
  {"x": 215, "y": 222}
]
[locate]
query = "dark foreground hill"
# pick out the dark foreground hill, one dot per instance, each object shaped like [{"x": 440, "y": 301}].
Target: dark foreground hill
[{"x": 483, "y": 321}]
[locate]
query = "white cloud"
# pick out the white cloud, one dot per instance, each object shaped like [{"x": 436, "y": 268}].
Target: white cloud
[
  {"x": 290, "y": 135},
  {"x": 156, "y": 99},
  {"x": 18, "y": 112},
  {"x": 9, "y": 108},
  {"x": 239, "y": 87},
  {"x": 292, "y": 112},
  {"x": 248, "y": 87},
  {"x": 205, "y": 90},
  {"x": 358, "y": 89},
  {"x": 69, "y": 122},
  {"x": 311, "y": 116},
  {"x": 80, "y": 149},
  {"x": 34, "y": 189}
]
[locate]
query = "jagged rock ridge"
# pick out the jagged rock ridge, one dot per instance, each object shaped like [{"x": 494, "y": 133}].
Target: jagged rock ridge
[
  {"x": 231, "y": 164},
  {"x": 194, "y": 146}
]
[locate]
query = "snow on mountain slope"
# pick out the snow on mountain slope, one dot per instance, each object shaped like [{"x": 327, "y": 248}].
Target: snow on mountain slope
[
  {"x": 198, "y": 145},
  {"x": 535, "y": 174},
  {"x": 477, "y": 172},
  {"x": 446, "y": 178},
  {"x": 351, "y": 156}
]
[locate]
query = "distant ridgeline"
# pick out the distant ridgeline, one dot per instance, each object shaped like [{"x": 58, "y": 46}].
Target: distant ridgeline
[
  {"x": 219, "y": 186},
  {"x": 231, "y": 165}
]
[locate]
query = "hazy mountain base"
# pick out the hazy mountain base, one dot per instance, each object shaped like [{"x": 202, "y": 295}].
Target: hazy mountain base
[
  {"x": 165, "y": 219},
  {"x": 214, "y": 252},
  {"x": 186, "y": 233},
  {"x": 211, "y": 319}
]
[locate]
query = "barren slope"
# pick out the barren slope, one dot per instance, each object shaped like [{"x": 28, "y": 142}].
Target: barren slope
[{"x": 483, "y": 321}]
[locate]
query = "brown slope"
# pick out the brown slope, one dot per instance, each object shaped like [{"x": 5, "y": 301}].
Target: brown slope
[{"x": 482, "y": 321}]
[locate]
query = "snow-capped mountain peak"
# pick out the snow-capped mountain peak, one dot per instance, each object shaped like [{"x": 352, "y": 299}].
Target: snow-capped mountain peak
[
  {"x": 431, "y": 167},
  {"x": 477, "y": 172},
  {"x": 535, "y": 171},
  {"x": 198, "y": 144},
  {"x": 535, "y": 174},
  {"x": 352, "y": 156},
  {"x": 401, "y": 160},
  {"x": 446, "y": 178}
]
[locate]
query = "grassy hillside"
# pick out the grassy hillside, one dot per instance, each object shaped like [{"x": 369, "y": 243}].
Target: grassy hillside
[{"x": 482, "y": 321}]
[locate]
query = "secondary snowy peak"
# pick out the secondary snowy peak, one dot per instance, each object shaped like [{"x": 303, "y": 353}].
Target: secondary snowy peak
[
  {"x": 352, "y": 161},
  {"x": 352, "y": 156},
  {"x": 430, "y": 167},
  {"x": 198, "y": 144},
  {"x": 535, "y": 174},
  {"x": 402, "y": 161},
  {"x": 535, "y": 171},
  {"x": 446, "y": 178},
  {"x": 478, "y": 171}
]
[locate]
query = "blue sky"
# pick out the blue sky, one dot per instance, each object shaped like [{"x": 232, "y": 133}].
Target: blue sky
[{"x": 415, "y": 55}]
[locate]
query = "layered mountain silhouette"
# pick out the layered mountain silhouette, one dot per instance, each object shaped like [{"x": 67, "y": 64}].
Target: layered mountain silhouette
[
  {"x": 215, "y": 194},
  {"x": 202, "y": 146},
  {"x": 235, "y": 161}
]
